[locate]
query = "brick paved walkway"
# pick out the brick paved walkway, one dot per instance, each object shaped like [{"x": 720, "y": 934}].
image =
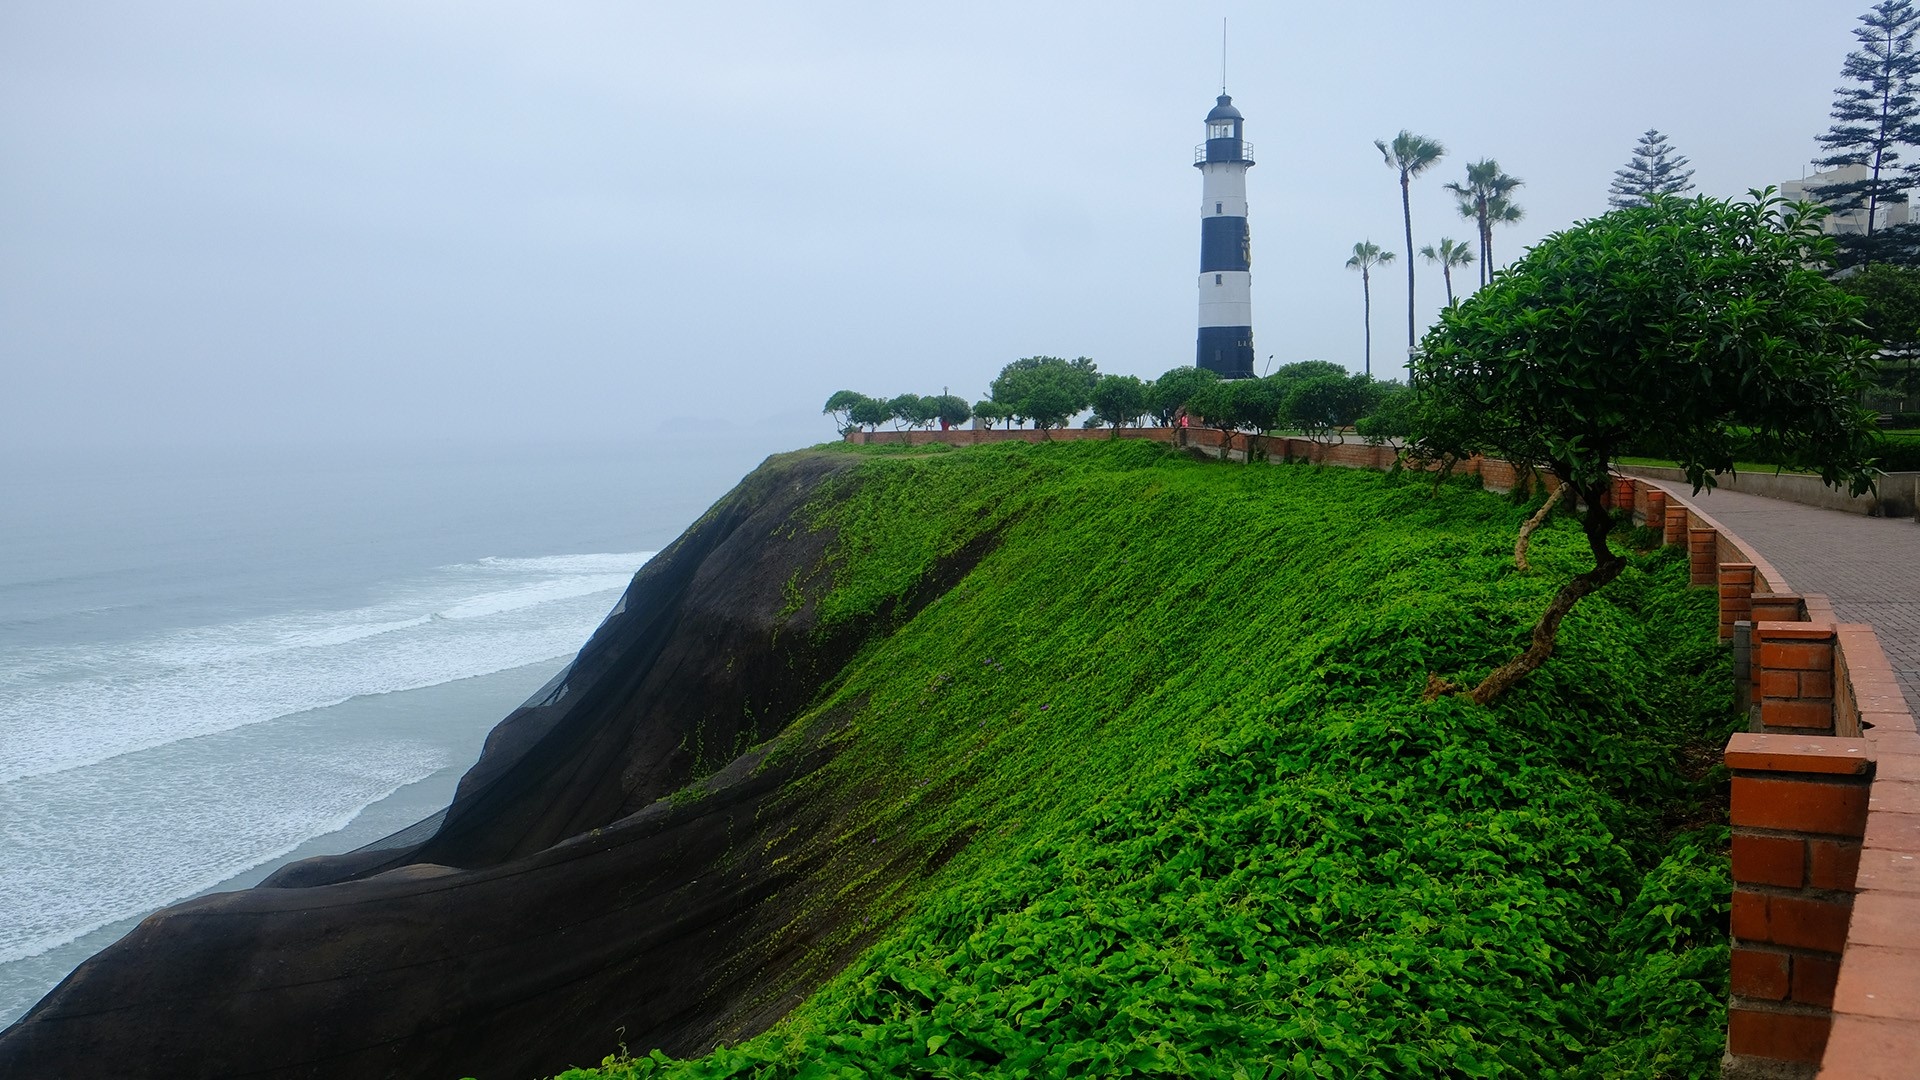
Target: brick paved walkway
[{"x": 1868, "y": 567}]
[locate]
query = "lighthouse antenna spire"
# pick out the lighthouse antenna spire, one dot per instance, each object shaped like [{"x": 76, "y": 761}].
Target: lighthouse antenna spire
[{"x": 1223, "y": 54}]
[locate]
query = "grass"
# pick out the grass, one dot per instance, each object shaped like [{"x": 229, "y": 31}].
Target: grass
[{"x": 1171, "y": 732}]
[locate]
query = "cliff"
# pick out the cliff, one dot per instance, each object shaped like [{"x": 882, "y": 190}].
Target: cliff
[{"x": 874, "y": 704}]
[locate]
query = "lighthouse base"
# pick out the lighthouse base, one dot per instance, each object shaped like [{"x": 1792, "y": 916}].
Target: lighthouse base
[{"x": 1226, "y": 351}]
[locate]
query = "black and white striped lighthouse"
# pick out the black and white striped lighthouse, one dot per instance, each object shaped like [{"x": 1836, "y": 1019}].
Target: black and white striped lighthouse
[{"x": 1226, "y": 252}]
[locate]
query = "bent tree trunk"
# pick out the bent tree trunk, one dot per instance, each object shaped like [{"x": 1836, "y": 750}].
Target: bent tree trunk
[
  {"x": 1538, "y": 519},
  {"x": 1597, "y": 522}
]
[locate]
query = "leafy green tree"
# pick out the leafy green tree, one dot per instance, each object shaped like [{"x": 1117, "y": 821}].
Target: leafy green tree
[
  {"x": 1216, "y": 405},
  {"x": 1119, "y": 400},
  {"x": 1325, "y": 404},
  {"x": 911, "y": 410},
  {"x": 1175, "y": 389},
  {"x": 840, "y": 407},
  {"x": 989, "y": 411},
  {"x": 1308, "y": 369},
  {"x": 1411, "y": 155},
  {"x": 1876, "y": 115},
  {"x": 1046, "y": 389},
  {"x": 1486, "y": 199},
  {"x": 870, "y": 413},
  {"x": 1366, "y": 256},
  {"x": 1892, "y": 314},
  {"x": 1663, "y": 327},
  {"x": 1390, "y": 418},
  {"x": 1448, "y": 254},
  {"x": 950, "y": 408},
  {"x": 1650, "y": 172}
]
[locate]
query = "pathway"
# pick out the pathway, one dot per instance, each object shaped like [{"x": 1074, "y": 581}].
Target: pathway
[{"x": 1868, "y": 567}]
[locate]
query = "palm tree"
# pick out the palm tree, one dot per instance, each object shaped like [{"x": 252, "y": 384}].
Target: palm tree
[
  {"x": 1412, "y": 155},
  {"x": 1487, "y": 200},
  {"x": 1449, "y": 254},
  {"x": 1366, "y": 256}
]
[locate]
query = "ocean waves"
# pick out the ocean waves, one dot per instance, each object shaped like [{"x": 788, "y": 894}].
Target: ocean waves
[
  {"x": 67, "y": 707},
  {"x": 142, "y": 768}
]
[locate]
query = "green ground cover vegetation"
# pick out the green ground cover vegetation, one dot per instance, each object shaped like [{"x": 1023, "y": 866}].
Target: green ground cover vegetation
[{"x": 1206, "y": 823}]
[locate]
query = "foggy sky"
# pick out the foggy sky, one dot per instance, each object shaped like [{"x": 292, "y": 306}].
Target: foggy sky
[{"x": 234, "y": 223}]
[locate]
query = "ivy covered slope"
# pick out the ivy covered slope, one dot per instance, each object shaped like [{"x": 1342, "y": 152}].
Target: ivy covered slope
[{"x": 1167, "y": 746}]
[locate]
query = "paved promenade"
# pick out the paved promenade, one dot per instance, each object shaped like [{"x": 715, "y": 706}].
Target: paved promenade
[{"x": 1868, "y": 567}]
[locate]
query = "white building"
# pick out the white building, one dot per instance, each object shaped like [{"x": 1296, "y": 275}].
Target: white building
[{"x": 1845, "y": 222}]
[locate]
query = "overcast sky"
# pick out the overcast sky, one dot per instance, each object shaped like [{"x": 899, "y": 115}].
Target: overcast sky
[{"x": 245, "y": 222}]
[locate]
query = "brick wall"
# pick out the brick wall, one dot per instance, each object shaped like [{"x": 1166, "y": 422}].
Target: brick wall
[{"x": 1826, "y": 822}]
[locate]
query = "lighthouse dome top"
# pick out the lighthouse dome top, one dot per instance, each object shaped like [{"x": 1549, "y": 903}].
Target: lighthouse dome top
[{"x": 1224, "y": 110}]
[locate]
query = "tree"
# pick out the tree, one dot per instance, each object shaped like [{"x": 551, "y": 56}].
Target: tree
[
  {"x": 1486, "y": 199},
  {"x": 1652, "y": 329},
  {"x": 988, "y": 411},
  {"x": 912, "y": 410},
  {"x": 1324, "y": 404},
  {"x": 1390, "y": 419},
  {"x": 1366, "y": 256},
  {"x": 870, "y": 412},
  {"x": 1250, "y": 406},
  {"x": 1046, "y": 389},
  {"x": 840, "y": 407},
  {"x": 1119, "y": 400},
  {"x": 1650, "y": 172},
  {"x": 1892, "y": 314},
  {"x": 1449, "y": 254},
  {"x": 950, "y": 409},
  {"x": 1175, "y": 390},
  {"x": 1877, "y": 115},
  {"x": 1412, "y": 155}
]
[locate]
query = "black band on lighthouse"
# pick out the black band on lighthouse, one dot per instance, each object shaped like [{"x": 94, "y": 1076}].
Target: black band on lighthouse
[
  {"x": 1224, "y": 244},
  {"x": 1226, "y": 351}
]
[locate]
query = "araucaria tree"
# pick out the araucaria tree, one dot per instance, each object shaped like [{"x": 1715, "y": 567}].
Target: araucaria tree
[
  {"x": 1875, "y": 115},
  {"x": 1366, "y": 256},
  {"x": 1410, "y": 155},
  {"x": 1486, "y": 199},
  {"x": 1449, "y": 253},
  {"x": 1654, "y": 329},
  {"x": 1654, "y": 170}
]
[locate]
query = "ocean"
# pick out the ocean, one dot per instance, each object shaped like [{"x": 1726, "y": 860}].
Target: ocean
[{"x": 215, "y": 662}]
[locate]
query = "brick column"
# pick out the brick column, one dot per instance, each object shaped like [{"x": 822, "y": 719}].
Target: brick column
[
  {"x": 1799, "y": 812},
  {"x": 1736, "y": 596},
  {"x": 1656, "y": 508},
  {"x": 1676, "y": 532},
  {"x": 1623, "y": 494},
  {"x": 1703, "y": 556},
  {"x": 1779, "y": 607},
  {"x": 1793, "y": 664}
]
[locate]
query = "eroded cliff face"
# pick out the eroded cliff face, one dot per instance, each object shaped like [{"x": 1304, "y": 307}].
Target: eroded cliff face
[{"x": 635, "y": 852}]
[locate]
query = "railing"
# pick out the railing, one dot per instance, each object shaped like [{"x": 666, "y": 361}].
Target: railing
[{"x": 1246, "y": 154}]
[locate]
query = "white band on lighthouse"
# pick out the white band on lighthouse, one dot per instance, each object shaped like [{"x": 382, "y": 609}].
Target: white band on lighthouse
[{"x": 1226, "y": 298}]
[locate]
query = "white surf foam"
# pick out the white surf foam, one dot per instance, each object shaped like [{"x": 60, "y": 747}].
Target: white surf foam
[
  {"x": 72, "y": 706},
  {"x": 90, "y": 848}
]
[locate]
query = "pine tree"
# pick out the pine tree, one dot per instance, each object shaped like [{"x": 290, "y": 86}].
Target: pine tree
[
  {"x": 1877, "y": 114},
  {"x": 1654, "y": 170}
]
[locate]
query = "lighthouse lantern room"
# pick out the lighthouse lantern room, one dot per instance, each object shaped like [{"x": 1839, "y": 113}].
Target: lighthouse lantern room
[{"x": 1226, "y": 257}]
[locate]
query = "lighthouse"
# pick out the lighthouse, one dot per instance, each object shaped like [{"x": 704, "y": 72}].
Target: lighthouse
[{"x": 1226, "y": 254}]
